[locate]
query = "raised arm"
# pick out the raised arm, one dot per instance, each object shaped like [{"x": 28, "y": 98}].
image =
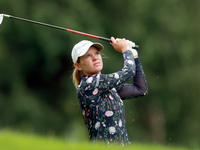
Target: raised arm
[
  {"x": 139, "y": 86},
  {"x": 99, "y": 83}
]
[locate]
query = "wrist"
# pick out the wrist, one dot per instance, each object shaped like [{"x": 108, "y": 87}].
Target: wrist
[{"x": 126, "y": 49}]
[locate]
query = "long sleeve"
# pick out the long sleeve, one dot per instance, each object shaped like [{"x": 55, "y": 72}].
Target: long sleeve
[
  {"x": 101, "y": 106},
  {"x": 139, "y": 86},
  {"x": 100, "y": 83}
]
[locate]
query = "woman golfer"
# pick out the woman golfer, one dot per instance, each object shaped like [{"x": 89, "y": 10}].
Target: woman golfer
[{"x": 100, "y": 95}]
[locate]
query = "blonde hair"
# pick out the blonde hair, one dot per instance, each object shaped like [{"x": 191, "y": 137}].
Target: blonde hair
[{"x": 76, "y": 77}]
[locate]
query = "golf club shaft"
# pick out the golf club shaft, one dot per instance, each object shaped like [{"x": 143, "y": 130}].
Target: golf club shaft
[{"x": 69, "y": 30}]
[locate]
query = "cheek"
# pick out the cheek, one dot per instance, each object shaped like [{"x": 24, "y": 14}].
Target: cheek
[
  {"x": 86, "y": 64},
  {"x": 100, "y": 58},
  {"x": 101, "y": 61}
]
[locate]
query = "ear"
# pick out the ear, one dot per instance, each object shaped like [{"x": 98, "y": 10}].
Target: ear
[{"x": 77, "y": 66}]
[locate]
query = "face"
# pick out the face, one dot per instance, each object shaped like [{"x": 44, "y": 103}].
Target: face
[{"x": 90, "y": 63}]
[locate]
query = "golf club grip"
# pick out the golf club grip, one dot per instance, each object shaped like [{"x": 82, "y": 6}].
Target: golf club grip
[
  {"x": 109, "y": 40},
  {"x": 105, "y": 39}
]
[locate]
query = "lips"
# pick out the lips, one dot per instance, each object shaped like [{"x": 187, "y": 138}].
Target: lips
[{"x": 97, "y": 64}]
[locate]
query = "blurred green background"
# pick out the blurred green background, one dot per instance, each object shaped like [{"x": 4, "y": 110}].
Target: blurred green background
[{"x": 36, "y": 90}]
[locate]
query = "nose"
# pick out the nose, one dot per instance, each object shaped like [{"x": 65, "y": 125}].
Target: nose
[{"x": 94, "y": 57}]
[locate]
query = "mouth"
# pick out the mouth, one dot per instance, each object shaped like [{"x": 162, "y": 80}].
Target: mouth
[{"x": 97, "y": 64}]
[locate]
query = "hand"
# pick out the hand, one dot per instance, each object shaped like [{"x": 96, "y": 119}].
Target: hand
[
  {"x": 132, "y": 44},
  {"x": 120, "y": 45}
]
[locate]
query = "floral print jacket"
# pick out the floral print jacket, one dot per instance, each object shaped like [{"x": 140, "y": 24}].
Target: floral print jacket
[{"x": 100, "y": 97}]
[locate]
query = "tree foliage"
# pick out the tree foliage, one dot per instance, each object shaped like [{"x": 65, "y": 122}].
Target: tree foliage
[{"x": 36, "y": 91}]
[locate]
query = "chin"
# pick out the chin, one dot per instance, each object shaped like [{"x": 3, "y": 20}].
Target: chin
[{"x": 98, "y": 71}]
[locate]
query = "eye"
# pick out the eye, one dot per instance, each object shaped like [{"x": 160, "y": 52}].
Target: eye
[
  {"x": 97, "y": 53},
  {"x": 87, "y": 56}
]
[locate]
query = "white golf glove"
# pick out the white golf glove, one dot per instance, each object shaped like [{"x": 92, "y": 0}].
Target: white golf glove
[{"x": 132, "y": 44}]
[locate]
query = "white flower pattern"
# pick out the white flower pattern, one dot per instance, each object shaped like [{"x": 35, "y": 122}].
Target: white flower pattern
[
  {"x": 116, "y": 76},
  {"x": 130, "y": 62},
  {"x": 120, "y": 123},
  {"x": 112, "y": 130},
  {"x": 97, "y": 125},
  {"x": 89, "y": 80},
  {"x": 103, "y": 111}
]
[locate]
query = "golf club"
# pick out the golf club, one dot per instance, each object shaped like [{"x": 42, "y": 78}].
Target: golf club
[{"x": 52, "y": 26}]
